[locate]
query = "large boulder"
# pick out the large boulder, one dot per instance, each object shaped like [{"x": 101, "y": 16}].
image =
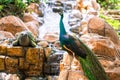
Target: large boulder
[
  {"x": 101, "y": 46},
  {"x": 101, "y": 27},
  {"x": 12, "y": 24}
]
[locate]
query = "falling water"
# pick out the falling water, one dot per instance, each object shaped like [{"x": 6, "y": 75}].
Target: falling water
[{"x": 51, "y": 22}]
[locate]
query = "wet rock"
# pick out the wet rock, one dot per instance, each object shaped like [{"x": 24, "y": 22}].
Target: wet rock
[
  {"x": 80, "y": 28},
  {"x": 75, "y": 18},
  {"x": 58, "y": 3},
  {"x": 52, "y": 66},
  {"x": 76, "y": 14},
  {"x": 12, "y": 24},
  {"x": 74, "y": 21}
]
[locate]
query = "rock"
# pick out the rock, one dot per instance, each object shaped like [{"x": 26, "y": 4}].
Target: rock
[
  {"x": 101, "y": 46},
  {"x": 33, "y": 28},
  {"x": 114, "y": 75},
  {"x": 15, "y": 51},
  {"x": 76, "y": 75},
  {"x": 80, "y": 28},
  {"x": 11, "y": 64},
  {"x": 5, "y": 34},
  {"x": 30, "y": 17},
  {"x": 70, "y": 69},
  {"x": 34, "y": 7},
  {"x": 44, "y": 44},
  {"x": 57, "y": 44},
  {"x": 12, "y": 24},
  {"x": 51, "y": 37},
  {"x": 76, "y": 14},
  {"x": 84, "y": 6},
  {"x": 5, "y": 76},
  {"x": 99, "y": 26}
]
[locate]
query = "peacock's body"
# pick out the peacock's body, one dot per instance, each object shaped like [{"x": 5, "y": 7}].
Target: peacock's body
[{"x": 90, "y": 64}]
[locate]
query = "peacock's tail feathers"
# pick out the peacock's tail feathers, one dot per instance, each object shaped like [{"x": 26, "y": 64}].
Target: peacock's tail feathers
[{"x": 91, "y": 66}]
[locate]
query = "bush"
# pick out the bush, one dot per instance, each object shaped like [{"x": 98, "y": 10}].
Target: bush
[{"x": 14, "y": 7}]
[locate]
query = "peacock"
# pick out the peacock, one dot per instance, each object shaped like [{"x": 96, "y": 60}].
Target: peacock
[{"x": 89, "y": 62}]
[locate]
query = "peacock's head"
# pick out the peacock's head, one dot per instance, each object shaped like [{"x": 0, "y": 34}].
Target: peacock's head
[{"x": 61, "y": 14}]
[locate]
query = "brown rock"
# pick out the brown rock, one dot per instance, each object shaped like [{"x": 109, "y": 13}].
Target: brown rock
[
  {"x": 51, "y": 37},
  {"x": 34, "y": 55},
  {"x": 12, "y": 24},
  {"x": 67, "y": 59},
  {"x": 47, "y": 51},
  {"x": 5, "y": 34},
  {"x": 11, "y": 64},
  {"x": 32, "y": 18},
  {"x": 14, "y": 77},
  {"x": 99, "y": 26},
  {"x": 28, "y": 17},
  {"x": 43, "y": 44},
  {"x": 3, "y": 50},
  {"x": 57, "y": 44},
  {"x": 101, "y": 46},
  {"x": 2, "y": 63},
  {"x": 33, "y": 73},
  {"x": 23, "y": 65},
  {"x": 33, "y": 28},
  {"x": 76, "y": 75},
  {"x": 113, "y": 75},
  {"x": 15, "y": 51},
  {"x": 34, "y": 7},
  {"x": 63, "y": 75},
  {"x": 70, "y": 69}
]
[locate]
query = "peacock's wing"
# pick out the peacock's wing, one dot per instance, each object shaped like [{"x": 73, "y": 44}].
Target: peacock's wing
[{"x": 72, "y": 44}]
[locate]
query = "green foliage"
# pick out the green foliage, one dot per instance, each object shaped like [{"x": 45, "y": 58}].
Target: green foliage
[
  {"x": 111, "y": 4},
  {"x": 114, "y": 23},
  {"x": 33, "y": 1},
  {"x": 14, "y": 7}
]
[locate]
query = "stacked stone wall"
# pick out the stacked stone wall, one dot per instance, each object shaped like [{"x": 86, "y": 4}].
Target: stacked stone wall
[{"x": 28, "y": 60}]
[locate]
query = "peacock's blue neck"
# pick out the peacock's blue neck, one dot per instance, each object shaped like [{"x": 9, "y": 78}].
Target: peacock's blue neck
[{"x": 62, "y": 28}]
